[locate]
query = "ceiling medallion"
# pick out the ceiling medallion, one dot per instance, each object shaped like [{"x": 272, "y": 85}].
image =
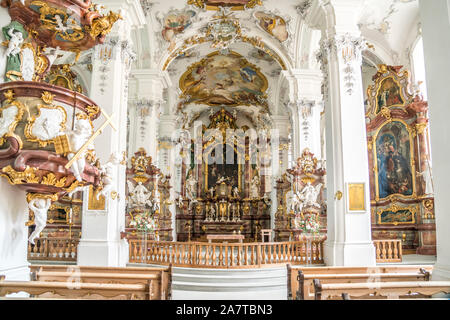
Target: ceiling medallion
[
  {"x": 223, "y": 31},
  {"x": 233, "y": 4}
]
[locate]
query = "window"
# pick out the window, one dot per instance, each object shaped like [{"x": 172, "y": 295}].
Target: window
[{"x": 418, "y": 61}]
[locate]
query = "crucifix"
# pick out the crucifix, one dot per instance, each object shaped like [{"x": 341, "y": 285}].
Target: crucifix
[{"x": 89, "y": 141}]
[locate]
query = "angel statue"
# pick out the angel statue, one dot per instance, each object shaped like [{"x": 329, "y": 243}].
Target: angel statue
[
  {"x": 140, "y": 196},
  {"x": 77, "y": 138},
  {"x": 107, "y": 175},
  {"x": 309, "y": 195},
  {"x": 40, "y": 207}
]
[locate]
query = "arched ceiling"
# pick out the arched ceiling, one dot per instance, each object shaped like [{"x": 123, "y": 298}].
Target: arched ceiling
[{"x": 272, "y": 35}]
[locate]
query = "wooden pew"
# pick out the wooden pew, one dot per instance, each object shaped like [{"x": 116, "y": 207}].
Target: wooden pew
[
  {"x": 68, "y": 290},
  {"x": 366, "y": 273},
  {"x": 379, "y": 290},
  {"x": 159, "y": 277},
  {"x": 306, "y": 286}
]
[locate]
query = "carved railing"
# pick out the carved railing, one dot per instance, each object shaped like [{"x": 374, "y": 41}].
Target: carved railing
[
  {"x": 225, "y": 255},
  {"x": 53, "y": 249},
  {"x": 388, "y": 250}
]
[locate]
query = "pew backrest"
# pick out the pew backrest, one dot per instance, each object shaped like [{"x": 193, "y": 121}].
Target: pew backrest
[{"x": 409, "y": 289}]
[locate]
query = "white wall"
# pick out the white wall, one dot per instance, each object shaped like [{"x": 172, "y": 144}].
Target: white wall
[{"x": 13, "y": 232}]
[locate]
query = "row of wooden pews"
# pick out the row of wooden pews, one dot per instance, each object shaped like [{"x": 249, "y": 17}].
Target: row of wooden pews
[
  {"x": 82, "y": 282},
  {"x": 384, "y": 282}
]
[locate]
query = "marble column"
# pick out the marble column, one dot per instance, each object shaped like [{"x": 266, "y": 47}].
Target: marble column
[
  {"x": 166, "y": 148},
  {"x": 349, "y": 241},
  {"x": 435, "y": 19},
  {"x": 100, "y": 243},
  {"x": 280, "y": 149}
]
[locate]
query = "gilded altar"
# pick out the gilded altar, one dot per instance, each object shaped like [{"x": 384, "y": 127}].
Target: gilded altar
[
  {"x": 223, "y": 197},
  {"x": 401, "y": 182}
]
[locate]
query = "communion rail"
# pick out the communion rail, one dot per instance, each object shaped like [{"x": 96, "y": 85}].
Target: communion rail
[
  {"x": 225, "y": 255},
  {"x": 388, "y": 250},
  {"x": 53, "y": 249}
]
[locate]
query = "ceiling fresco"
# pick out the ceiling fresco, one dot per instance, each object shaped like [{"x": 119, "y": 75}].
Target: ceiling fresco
[
  {"x": 224, "y": 79},
  {"x": 234, "y": 4}
]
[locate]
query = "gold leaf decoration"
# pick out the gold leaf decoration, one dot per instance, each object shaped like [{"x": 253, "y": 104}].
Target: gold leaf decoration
[
  {"x": 47, "y": 97},
  {"x": 9, "y": 95}
]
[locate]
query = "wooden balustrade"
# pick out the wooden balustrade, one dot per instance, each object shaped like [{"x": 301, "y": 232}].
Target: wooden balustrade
[
  {"x": 225, "y": 255},
  {"x": 388, "y": 250},
  {"x": 53, "y": 249}
]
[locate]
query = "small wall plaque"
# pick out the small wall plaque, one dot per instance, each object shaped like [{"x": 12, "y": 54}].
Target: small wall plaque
[
  {"x": 93, "y": 203},
  {"x": 356, "y": 197}
]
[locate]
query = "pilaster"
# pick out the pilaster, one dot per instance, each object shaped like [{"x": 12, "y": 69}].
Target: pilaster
[{"x": 349, "y": 232}]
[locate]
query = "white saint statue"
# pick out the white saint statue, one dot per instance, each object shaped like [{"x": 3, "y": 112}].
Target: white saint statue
[
  {"x": 254, "y": 188},
  {"x": 236, "y": 192},
  {"x": 191, "y": 185},
  {"x": 40, "y": 207},
  {"x": 426, "y": 175}
]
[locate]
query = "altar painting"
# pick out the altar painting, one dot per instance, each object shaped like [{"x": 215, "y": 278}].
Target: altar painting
[
  {"x": 223, "y": 80},
  {"x": 403, "y": 216},
  {"x": 389, "y": 94},
  {"x": 222, "y": 170},
  {"x": 394, "y": 164}
]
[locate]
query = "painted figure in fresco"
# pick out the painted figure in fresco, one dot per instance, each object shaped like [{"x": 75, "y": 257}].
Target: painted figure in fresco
[
  {"x": 40, "y": 207},
  {"x": 394, "y": 173},
  {"x": 274, "y": 25},
  {"x": 389, "y": 94},
  {"x": 174, "y": 23},
  {"x": 223, "y": 80}
]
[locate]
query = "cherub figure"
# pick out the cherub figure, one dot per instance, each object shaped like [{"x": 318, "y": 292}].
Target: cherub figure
[
  {"x": 77, "y": 138},
  {"x": 107, "y": 175}
]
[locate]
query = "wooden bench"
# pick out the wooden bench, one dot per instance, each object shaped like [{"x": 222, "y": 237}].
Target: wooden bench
[
  {"x": 306, "y": 286},
  {"x": 350, "y": 274},
  {"x": 379, "y": 290},
  {"x": 69, "y": 290},
  {"x": 157, "y": 278}
]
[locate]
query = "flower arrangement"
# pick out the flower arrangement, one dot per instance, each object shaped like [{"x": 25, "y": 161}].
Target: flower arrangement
[
  {"x": 307, "y": 225},
  {"x": 144, "y": 222}
]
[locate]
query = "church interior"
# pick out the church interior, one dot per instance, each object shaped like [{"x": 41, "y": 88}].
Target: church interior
[{"x": 224, "y": 149}]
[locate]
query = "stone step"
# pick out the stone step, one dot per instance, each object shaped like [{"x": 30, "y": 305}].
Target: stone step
[{"x": 229, "y": 284}]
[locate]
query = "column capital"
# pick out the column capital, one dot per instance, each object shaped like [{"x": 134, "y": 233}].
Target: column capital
[
  {"x": 347, "y": 48},
  {"x": 131, "y": 11}
]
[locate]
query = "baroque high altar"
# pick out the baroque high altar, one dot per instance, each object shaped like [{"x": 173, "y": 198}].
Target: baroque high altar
[{"x": 224, "y": 193}]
